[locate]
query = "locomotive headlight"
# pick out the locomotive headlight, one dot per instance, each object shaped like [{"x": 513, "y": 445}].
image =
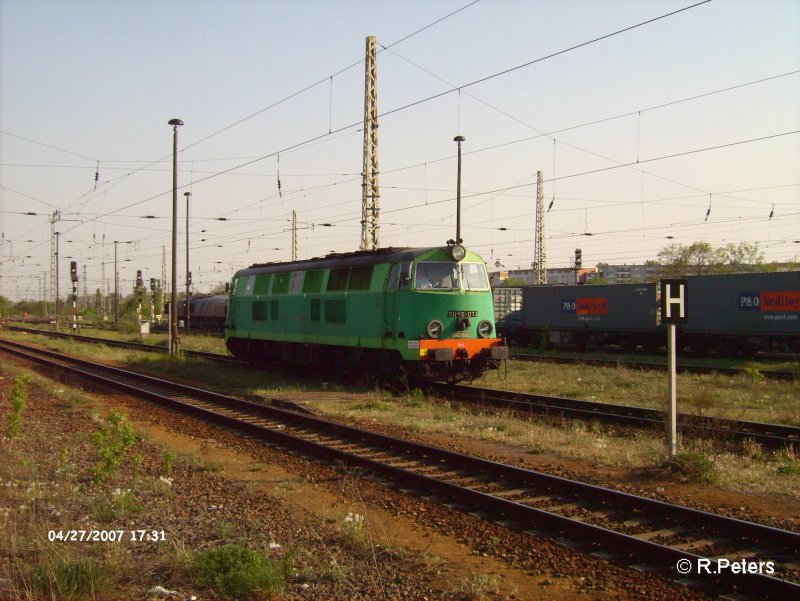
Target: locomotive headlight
[
  {"x": 485, "y": 329},
  {"x": 458, "y": 252},
  {"x": 435, "y": 328}
]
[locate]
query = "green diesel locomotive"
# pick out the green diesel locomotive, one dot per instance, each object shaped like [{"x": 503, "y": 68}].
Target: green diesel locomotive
[{"x": 424, "y": 313}]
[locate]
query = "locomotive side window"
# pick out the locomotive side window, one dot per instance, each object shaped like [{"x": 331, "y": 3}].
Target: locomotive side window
[
  {"x": 313, "y": 281},
  {"x": 280, "y": 284},
  {"x": 248, "y": 288},
  {"x": 297, "y": 282},
  {"x": 432, "y": 275},
  {"x": 260, "y": 311},
  {"x": 314, "y": 309},
  {"x": 391, "y": 284},
  {"x": 405, "y": 277},
  {"x": 475, "y": 276},
  {"x": 335, "y": 311},
  {"x": 262, "y": 284},
  {"x": 235, "y": 286}
]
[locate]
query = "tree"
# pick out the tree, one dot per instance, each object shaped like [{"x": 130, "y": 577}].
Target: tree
[
  {"x": 699, "y": 258},
  {"x": 736, "y": 258},
  {"x": 5, "y": 306}
]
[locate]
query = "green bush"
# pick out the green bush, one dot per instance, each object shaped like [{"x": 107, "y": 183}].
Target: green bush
[
  {"x": 19, "y": 396},
  {"x": 239, "y": 573},
  {"x": 693, "y": 467},
  {"x": 113, "y": 441}
]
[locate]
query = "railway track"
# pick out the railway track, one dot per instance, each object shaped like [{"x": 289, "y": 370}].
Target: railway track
[
  {"x": 628, "y": 529},
  {"x": 650, "y": 365},
  {"x": 137, "y": 346},
  {"x": 773, "y": 436}
]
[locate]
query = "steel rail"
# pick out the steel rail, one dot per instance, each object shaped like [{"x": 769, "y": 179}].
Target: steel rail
[
  {"x": 770, "y": 374},
  {"x": 773, "y": 436},
  {"x": 768, "y": 435},
  {"x": 251, "y": 417}
]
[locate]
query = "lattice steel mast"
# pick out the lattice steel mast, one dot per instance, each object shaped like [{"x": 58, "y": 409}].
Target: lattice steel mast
[
  {"x": 539, "y": 253},
  {"x": 370, "y": 207},
  {"x": 53, "y": 258}
]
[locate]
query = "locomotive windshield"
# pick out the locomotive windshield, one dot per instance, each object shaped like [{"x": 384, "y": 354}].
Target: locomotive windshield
[
  {"x": 474, "y": 276},
  {"x": 435, "y": 275}
]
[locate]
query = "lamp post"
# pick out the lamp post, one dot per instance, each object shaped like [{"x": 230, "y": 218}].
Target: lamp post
[
  {"x": 174, "y": 340},
  {"x": 58, "y": 235},
  {"x": 458, "y": 139},
  {"x": 188, "y": 273}
]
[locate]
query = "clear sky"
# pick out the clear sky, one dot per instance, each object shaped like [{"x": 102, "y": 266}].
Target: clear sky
[{"x": 96, "y": 81}]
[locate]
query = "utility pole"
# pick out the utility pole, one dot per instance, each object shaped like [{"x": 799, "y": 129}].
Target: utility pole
[
  {"x": 164, "y": 286},
  {"x": 174, "y": 338},
  {"x": 116, "y": 286},
  {"x": 370, "y": 207},
  {"x": 294, "y": 235},
  {"x": 103, "y": 291},
  {"x": 188, "y": 273},
  {"x": 58, "y": 234},
  {"x": 539, "y": 251},
  {"x": 458, "y": 139}
]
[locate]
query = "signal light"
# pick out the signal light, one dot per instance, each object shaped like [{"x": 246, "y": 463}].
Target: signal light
[
  {"x": 73, "y": 270},
  {"x": 578, "y": 258}
]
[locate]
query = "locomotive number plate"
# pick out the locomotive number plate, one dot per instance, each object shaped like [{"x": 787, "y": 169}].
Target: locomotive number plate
[{"x": 462, "y": 313}]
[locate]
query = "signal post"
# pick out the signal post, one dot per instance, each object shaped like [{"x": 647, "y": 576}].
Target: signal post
[
  {"x": 73, "y": 272},
  {"x": 673, "y": 311}
]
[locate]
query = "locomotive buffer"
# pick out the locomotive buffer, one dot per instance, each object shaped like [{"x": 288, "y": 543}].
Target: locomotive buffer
[{"x": 673, "y": 311}]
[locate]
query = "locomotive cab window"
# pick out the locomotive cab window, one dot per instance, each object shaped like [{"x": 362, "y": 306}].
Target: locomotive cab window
[
  {"x": 405, "y": 277},
  {"x": 436, "y": 275},
  {"x": 474, "y": 276}
]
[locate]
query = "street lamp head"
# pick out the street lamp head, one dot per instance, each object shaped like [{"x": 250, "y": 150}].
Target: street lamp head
[
  {"x": 175, "y": 122},
  {"x": 459, "y": 139},
  {"x": 187, "y": 194}
]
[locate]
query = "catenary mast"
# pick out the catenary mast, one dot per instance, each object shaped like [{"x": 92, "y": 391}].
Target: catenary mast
[{"x": 370, "y": 208}]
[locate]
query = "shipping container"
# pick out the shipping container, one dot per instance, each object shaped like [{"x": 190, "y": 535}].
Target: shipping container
[
  {"x": 617, "y": 314},
  {"x": 767, "y": 303},
  {"x": 507, "y": 307}
]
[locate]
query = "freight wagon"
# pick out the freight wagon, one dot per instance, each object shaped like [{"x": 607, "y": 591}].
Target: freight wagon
[{"x": 736, "y": 314}]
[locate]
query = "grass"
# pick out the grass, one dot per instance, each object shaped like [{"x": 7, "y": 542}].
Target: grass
[
  {"x": 741, "y": 397},
  {"x": 748, "y": 396},
  {"x": 236, "y": 572},
  {"x": 753, "y": 470},
  {"x": 67, "y": 578},
  {"x": 744, "y": 396}
]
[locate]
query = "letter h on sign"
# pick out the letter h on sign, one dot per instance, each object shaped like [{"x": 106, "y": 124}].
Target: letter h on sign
[{"x": 673, "y": 301}]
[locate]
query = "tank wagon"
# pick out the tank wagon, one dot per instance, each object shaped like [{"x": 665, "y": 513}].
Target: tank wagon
[
  {"x": 422, "y": 312},
  {"x": 206, "y": 313},
  {"x": 736, "y": 314}
]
